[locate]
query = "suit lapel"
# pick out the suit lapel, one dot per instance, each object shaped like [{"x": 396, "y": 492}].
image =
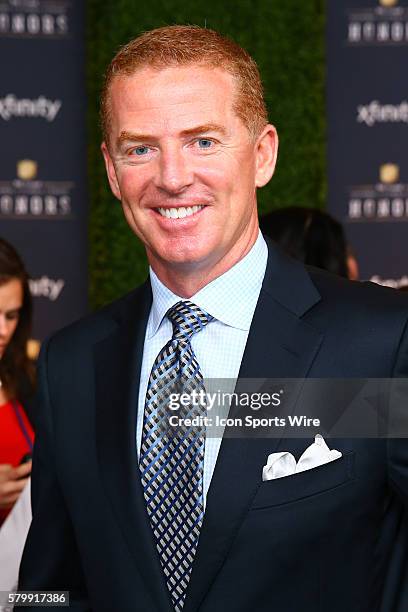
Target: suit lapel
[
  {"x": 279, "y": 345},
  {"x": 118, "y": 360}
]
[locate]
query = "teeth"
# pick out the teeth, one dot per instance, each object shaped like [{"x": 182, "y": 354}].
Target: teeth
[{"x": 179, "y": 213}]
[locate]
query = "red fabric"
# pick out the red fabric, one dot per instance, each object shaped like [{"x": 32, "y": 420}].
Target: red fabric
[{"x": 13, "y": 444}]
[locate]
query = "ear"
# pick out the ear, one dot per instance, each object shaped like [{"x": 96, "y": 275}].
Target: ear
[
  {"x": 110, "y": 171},
  {"x": 266, "y": 154}
]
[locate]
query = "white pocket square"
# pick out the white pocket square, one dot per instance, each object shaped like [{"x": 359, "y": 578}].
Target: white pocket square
[{"x": 283, "y": 464}]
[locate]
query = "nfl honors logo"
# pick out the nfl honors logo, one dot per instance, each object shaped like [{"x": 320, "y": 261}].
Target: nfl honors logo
[
  {"x": 29, "y": 197},
  {"x": 387, "y": 200},
  {"x": 386, "y": 23}
]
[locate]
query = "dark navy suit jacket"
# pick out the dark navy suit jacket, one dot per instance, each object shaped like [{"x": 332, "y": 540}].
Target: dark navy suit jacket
[{"x": 332, "y": 539}]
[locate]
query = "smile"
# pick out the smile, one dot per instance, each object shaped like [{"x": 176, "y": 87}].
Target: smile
[{"x": 179, "y": 213}]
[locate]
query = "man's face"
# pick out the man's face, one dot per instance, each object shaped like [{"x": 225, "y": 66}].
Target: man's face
[{"x": 185, "y": 166}]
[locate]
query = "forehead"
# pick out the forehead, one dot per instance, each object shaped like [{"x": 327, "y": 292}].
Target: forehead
[
  {"x": 171, "y": 98},
  {"x": 11, "y": 294}
]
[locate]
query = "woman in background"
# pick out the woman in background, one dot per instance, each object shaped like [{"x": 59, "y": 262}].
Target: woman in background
[
  {"x": 312, "y": 236},
  {"x": 16, "y": 379}
]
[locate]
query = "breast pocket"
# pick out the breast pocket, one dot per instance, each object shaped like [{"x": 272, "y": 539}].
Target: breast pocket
[{"x": 305, "y": 484}]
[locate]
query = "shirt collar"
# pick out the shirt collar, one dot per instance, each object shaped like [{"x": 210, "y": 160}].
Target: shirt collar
[{"x": 231, "y": 298}]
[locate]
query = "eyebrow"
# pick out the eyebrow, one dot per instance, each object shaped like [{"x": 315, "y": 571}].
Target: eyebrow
[
  {"x": 203, "y": 129},
  {"x": 200, "y": 129},
  {"x": 130, "y": 137},
  {"x": 12, "y": 310}
]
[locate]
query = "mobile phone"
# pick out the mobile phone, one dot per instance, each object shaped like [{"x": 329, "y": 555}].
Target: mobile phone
[{"x": 25, "y": 458}]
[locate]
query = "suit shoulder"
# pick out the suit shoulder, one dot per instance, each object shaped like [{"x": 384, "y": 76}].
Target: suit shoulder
[
  {"x": 97, "y": 325},
  {"x": 363, "y": 324},
  {"x": 358, "y": 295}
]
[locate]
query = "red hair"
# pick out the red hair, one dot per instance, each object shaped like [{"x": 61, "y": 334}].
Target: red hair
[{"x": 183, "y": 45}]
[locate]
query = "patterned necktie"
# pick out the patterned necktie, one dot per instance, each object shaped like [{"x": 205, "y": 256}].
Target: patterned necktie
[{"x": 172, "y": 458}]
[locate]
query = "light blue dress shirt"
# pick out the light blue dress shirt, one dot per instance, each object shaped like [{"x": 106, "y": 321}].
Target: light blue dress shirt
[{"x": 231, "y": 299}]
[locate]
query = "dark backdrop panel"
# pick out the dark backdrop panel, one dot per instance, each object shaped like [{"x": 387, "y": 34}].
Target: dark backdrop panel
[
  {"x": 43, "y": 202},
  {"x": 367, "y": 53}
]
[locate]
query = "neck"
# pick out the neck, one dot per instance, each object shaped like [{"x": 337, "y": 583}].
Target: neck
[{"x": 185, "y": 280}]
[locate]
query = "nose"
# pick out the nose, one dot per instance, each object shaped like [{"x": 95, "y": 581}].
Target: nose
[
  {"x": 175, "y": 171},
  {"x": 3, "y": 326}
]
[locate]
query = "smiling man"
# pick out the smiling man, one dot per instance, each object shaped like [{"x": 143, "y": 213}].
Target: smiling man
[
  {"x": 131, "y": 516},
  {"x": 185, "y": 162}
]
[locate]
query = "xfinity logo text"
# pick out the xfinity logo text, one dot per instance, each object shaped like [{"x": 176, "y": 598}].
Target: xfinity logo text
[
  {"x": 373, "y": 113},
  {"x": 10, "y": 107},
  {"x": 46, "y": 287}
]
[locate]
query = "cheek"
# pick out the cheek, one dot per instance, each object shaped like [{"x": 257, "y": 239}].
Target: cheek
[
  {"x": 11, "y": 328},
  {"x": 218, "y": 178},
  {"x": 133, "y": 219},
  {"x": 228, "y": 173},
  {"x": 131, "y": 181}
]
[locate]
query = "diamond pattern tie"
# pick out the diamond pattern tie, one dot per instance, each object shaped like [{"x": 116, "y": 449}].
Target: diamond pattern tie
[{"x": 172, "y": 459}]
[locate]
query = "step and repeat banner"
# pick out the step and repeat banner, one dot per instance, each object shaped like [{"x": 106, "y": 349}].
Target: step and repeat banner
[
  {"x": 367, "y": 97},
  {"x": 43, "y": 200}
]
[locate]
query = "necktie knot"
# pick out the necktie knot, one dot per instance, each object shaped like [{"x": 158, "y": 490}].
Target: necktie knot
[{"x": 187, "y": 319}]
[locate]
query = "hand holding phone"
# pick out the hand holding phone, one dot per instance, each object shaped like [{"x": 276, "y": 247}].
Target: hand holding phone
[{"x": 12, "y": 482}]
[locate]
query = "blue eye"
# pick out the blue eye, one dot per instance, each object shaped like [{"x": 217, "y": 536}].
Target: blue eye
[
  {"x": 205, "y": 143},
  {"x": 140, "y": 150}
]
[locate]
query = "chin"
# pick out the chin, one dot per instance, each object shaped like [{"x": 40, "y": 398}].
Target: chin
[{"x": 186, "y": 254}]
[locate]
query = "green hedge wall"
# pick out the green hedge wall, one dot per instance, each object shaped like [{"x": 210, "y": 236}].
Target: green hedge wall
[{"x": 286, "y": 39}]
